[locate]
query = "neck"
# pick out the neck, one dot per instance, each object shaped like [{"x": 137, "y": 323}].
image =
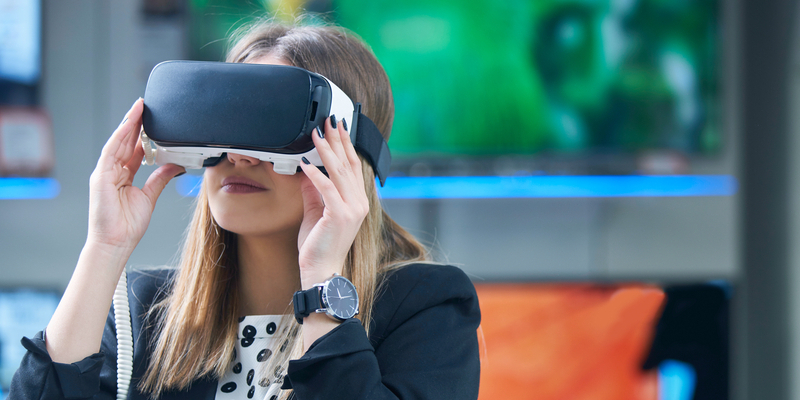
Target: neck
[{"x": 269, "y": 273}]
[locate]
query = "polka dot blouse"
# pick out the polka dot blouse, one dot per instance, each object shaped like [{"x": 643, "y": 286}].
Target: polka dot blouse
[{"x": 243, "y": 379}]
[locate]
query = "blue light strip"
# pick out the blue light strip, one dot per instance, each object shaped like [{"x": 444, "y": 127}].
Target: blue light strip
[
  {"x": 28, "y": 188},
  {"x": 558, "y": 186},
  {"x": 537, "y": 186}
]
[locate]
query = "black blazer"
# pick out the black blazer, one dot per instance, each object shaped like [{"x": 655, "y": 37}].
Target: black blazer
[{"x": 422, "y": 345}]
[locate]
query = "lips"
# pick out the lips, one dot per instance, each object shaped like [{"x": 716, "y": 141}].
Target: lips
[{"x": 240, "y": 184}]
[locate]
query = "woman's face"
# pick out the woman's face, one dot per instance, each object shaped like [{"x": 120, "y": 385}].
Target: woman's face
[{"x": 247, "y": 197}]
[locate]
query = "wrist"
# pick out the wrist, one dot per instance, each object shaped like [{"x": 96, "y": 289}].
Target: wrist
[
  {"x": 97, "y": 243},
  {"x": 113, "y": 239},
  {"x": 315, "y": 326},
  {"x": 307, "y": 282},
  {"x": 312, "y": 276},
  {"x": 337, "y": 297},
  {"x": 104, "y": 254}
]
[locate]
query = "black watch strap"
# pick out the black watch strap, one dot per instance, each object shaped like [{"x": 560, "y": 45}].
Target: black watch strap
[{"x": 305, "y": 302}]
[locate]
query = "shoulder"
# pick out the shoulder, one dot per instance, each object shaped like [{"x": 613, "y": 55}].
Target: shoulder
[
  {"x": 407, "y": 291},
  {"x": 432, "y": 281},
  {"x": 147, "y": 285}
]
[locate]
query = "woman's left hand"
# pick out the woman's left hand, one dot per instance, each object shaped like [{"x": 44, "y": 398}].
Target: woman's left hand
[{"x": 334, "y": 207}]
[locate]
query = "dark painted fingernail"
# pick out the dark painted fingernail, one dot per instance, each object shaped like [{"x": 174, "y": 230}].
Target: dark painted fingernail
[
  {"x": 344, "y": 123},
  {"x": 305, "y": 161},
  {"x": 182, "y": 173},
  {"x": 319, "y": 132},
  {"x": 333, "y": 121}
]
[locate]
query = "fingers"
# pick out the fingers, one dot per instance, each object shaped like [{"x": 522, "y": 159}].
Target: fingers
[
  {"x": 313, "y": 206},
  {"x": 123, "y": 138},
  {"x": 324, "y": 186},
  {"x": 158, "y": 180},
  {"x": 135, "y": 160},
  {"x": 333, "y": 134},
  {"x": 343, "y": 166},
  {"x": 352, "y": 156},
  {"x": 125, "y": 152}
]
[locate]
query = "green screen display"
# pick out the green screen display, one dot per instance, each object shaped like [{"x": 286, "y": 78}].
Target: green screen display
[{"x": 519, "y": 77}]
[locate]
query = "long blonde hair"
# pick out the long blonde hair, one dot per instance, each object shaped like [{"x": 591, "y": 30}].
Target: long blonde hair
[{"x": 197, "y": 321}]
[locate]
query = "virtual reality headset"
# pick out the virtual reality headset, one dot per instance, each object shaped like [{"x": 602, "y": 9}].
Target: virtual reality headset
[{"x": 196, "y": 112}]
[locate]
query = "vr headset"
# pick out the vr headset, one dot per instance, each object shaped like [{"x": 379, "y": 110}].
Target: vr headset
[{"x": 196, "y": 112}]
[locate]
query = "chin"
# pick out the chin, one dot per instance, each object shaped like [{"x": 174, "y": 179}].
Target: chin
[
  {"x": 256, "y": 216},
  {"x": 246, "y": 225}
]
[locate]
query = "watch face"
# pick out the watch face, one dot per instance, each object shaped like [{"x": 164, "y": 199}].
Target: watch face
[{"x": 340, "y": 298}]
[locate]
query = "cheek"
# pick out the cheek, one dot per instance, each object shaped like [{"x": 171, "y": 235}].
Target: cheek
[
  {"x": 291, "y": 197},
  {"x": 212, "y": 194}
]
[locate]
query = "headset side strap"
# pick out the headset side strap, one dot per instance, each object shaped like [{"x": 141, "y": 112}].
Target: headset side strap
[{"x": 370, "y": 143}]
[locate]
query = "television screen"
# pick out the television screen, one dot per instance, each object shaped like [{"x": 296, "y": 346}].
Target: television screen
[
  {"x": 524, "y": 76},
  {"x": 23, "y": 312},
  {"x": 20, "y": 41},
  {"x": 603, "y": 342},
  {"x": 519, "y": 77}
]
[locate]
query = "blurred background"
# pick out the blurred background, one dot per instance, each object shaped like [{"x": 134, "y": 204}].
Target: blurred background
[{"x": 616, "y": 176}]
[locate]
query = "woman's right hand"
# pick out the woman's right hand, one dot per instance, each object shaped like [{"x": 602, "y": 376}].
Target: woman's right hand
[
  {"x": 119, "y": 212},
  {"x": 118, "y": 217}
]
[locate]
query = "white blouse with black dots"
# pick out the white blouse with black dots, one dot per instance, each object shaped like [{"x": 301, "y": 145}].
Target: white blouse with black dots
[{"x": 253, "y": 349}]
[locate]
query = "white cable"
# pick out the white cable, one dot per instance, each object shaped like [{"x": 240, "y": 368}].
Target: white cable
[
  {"x": 122, "y": 319},
  {"x": 149, "y": 151}
]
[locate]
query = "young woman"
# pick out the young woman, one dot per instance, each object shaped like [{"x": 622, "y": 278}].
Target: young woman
[{"x": 221, "y": 325}]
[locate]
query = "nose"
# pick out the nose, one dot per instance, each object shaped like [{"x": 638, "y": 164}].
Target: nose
[{"x": 241, "y": 159}]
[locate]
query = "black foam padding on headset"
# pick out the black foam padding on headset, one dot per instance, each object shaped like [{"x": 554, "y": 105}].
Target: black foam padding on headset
[
  {"x": 245, "y": 106},
  {"x": 371, "y": 145}
]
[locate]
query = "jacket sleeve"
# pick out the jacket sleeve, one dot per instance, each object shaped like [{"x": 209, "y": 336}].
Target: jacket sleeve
[
  {"x": 424, "y": 344},
  {"x": 94, "y": 377}
]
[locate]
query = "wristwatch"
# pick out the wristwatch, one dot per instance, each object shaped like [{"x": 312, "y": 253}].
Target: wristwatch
[{"x": 336, "y": 297}]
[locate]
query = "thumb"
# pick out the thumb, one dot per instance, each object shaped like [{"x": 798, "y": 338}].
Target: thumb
[{"x": 158, "y": 180}]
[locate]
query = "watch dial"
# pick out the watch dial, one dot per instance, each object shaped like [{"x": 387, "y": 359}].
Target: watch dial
[{"x": 341, "y": 297}]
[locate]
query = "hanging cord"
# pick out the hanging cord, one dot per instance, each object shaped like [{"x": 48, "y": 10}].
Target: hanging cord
[{"x": 122, "y": 320}]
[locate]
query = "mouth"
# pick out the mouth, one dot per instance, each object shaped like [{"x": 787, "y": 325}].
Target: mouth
[{"x": 240, "y": 184}]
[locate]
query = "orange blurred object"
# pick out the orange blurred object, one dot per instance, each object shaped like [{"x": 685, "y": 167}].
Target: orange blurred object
[{"x": 567, "y": 341}]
